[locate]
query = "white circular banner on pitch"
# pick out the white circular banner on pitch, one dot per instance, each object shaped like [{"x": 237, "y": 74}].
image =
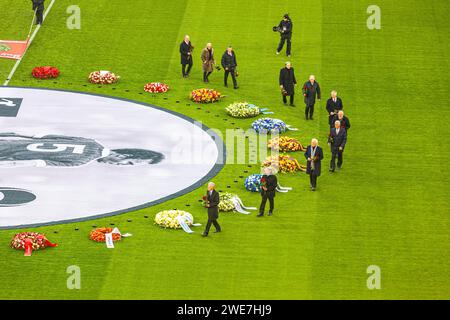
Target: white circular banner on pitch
[{"x": 68, "y": 156}]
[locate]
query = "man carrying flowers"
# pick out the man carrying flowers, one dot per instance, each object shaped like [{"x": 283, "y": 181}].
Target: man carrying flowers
[
  {"x": 314, "y": 156},
  {"x": 269, "y": 184}
]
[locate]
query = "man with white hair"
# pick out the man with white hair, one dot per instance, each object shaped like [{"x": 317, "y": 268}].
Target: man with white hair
[
  {"x": 314, "y": 156},
  {"x": 343, "y": 119},
  {"x": 334, "y": 105},
  {"x": 287, "y": 83},
  {"x": 186, "y": 48},
  {"x": 212, "y": 203},
  {"x": 337, "y": 140},
  {"x": 311, "y": 90}
]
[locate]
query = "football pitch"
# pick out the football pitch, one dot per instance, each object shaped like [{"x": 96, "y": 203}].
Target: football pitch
[{"x": 387, "y": 207}]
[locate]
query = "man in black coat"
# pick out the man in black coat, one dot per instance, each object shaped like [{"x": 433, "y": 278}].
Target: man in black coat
[
  {"x": 287, "y": 83},
  {"x": 186, "y": 56},
  {"x": 314, "y": 156},
  {"x": 229, "y": 64},
  {"x": 212, "y": 202},
  {"x": 38, "y": 6},
  {"x": 334, "y": 105},
  {"x": 269, "y": 185},
  {"x": 311, "y": 89},
  {"x": 337, "y": 140},
  {"x": 343, "y": 119},
  {"x": 285, "y": 29}
]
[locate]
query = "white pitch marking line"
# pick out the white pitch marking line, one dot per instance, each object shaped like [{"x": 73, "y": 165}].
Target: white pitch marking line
[{"x": 16, "y": 65}]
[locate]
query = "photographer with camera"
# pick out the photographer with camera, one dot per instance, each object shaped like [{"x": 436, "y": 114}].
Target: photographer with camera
[
  {"x": 285, "y": 30},
  {"x": 229, "y": 64}
]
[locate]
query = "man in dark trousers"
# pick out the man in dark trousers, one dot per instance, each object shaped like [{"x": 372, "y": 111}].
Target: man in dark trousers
[
  {"x": 285, "y": 29},
  {"x": 287, "y": 83},
  {"x": 186, "y": 56},
  {"x": 334, "y": 105},
  {"x": 229, "y": 64},
  {"x": 38, "y": 6},
  {"x": 337, "y": 140},
  {"x": 314, "y": 156},
  {"x": 311, "y": 89},
  {"x": 269, "y": 184},
  {"x": 343, "y": 119},
  {"x": 212, "y": 202}
]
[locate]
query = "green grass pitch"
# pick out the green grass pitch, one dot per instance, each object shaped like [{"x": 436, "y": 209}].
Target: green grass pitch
[{"x": 387, "y": 207}]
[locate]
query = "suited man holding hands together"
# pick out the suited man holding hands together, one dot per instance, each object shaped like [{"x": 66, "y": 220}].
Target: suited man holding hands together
[
  {"x": 337, "y": 140},
  {"x": 212, "y": 203}
]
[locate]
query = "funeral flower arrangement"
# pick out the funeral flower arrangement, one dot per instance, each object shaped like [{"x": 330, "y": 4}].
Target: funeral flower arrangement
[
  {"x": 253, "y": 183},
  {"x": 47, "y": 72},
  {"x": 103, "y": 77},
  {"x": 285, "y": 144},
  {"x": 205, "y": 95},
  {"x": 269, "y": 125},
  {"x": 36, "y": 241},
  {"x": 243, "y": 110},
  {"x": 156, "y": 87},
  {"x": 283, "y": 163},
  {"x": 169, "y": 218},
  {"x": 226, "y": 204},
  {"x": 99, "y": 235}
]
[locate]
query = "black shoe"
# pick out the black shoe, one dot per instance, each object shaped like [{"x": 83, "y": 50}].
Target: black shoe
[
  {"x": 226, "y": 85},
  {"x": 311, "y": 118},
  {"x": 270, "y": 213},
  {"x": 236, "y": 87},
  {"x": 292, "y": 105},
  {"x": 306, "y": 118},
  {"x": 331, "y": 170},
  {"x": 204, "y": 234},
  {"x": 339, "y": 168},
  {"x": 217, "y": 231},
  {"x": 313, "y": 189},
  {"x": 260, "y": 215}
]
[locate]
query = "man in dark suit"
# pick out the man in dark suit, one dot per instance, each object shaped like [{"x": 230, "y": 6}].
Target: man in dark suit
[
  {"x": 38, "y": 6},
  {"x": 337, "y": 140},
  {"x": 343, "y": 119},
  {"x": 311, "y": 89},
  {"x": 314, "y": 156},
  {"x": 334, "y": 105},
  {"x": 229, "y": 64},
  {"x": 186, "y": 56},
  {"x": 287, "y": 83},
  {"x": 212, "y": 202},
  {"x": 285, "y": 29},
  {"x": 269, "y": 185}
]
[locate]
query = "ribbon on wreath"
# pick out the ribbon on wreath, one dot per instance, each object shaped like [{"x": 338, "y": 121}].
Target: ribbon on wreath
[
  {"x": 109, "y": 237},
  {"x": 265, "y": 111},
  {"x": 289, "y": 127},
  {"x": 239, "y": 206},
  {"x": 282, "y": 189},
  {"x": 184, "y": 220}
]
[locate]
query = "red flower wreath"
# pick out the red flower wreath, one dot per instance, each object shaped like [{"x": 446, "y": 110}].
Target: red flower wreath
[
  {"x": 30, "y": 241},
  {"x": 45, "y": 72},
  {"x": 156, "y": 87}
]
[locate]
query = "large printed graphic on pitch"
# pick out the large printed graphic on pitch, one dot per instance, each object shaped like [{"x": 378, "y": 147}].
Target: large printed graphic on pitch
[{"x": 67, "y": 156}]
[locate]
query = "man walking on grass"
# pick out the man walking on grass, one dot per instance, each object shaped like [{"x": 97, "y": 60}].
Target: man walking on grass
[
  {"x": 38, "y": 7},
  {"x": 212, "y": 203}
]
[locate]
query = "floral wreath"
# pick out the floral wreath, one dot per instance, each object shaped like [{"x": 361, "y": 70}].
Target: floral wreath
[
  {"x": 99, "y": 235},
  {"x": 253, "y": 183},
  {"x": 156, "y": 87},
  {"x": 103, "y": 77},
  {"x": 269, "y": 125},
  {"x": 283, "y": 163},
  {"x": 243, "y": 110},
  {"x": 169, "y": 218},
  {"x": 205, "y": 95},
  {"x": 285, "y": 144},
  {"x": 46, "y": 72},
  {"x": 30, "y": 241}
]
